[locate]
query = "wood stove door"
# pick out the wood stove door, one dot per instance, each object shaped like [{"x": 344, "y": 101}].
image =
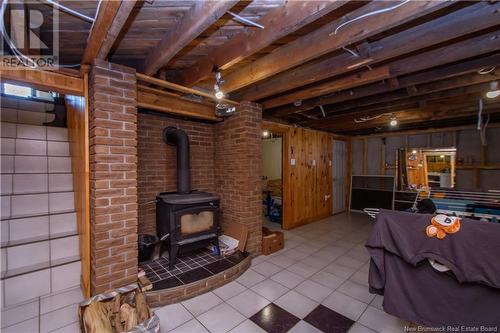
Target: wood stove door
[{"x": 193, "y": 222}]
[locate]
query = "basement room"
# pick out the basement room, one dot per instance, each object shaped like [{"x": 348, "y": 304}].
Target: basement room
[{"x": 250, "y": 166}]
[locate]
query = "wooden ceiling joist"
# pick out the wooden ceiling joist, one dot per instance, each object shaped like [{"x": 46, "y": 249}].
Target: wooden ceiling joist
[
  {"x": 158, "y": 100},
  {"x": 195, "y": 21},
  {"x": 447, "y": 54},
  {"x": 110, "y": 19},
  {"x": 471, "y": 19},
  {"x": 44, "y": 80},
  {"x": 323, "y": 40},
  {"x": 278, "y": 23},
  {"x": 430, "y": 75}
]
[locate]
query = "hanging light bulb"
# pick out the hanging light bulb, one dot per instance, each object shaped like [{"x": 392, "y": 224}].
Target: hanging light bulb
[
  {"x": 494, "y": 91},
  {"x": 394, "y": 121}
]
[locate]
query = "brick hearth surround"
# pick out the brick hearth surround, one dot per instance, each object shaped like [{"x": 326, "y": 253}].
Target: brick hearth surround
[
  {"x": 113, "y": 175},
  {"x": 238, "y": 164}
]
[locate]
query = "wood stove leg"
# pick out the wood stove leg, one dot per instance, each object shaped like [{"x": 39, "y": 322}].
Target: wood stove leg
[{"x": 174, "y": 250}]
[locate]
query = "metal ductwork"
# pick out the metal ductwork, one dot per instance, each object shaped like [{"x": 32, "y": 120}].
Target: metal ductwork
[{"x": 176, "y": 137}]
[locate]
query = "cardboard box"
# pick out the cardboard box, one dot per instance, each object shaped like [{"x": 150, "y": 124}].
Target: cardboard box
[
  {"x": 272, "y": 241},
  {"x": 237, "y": 231}
]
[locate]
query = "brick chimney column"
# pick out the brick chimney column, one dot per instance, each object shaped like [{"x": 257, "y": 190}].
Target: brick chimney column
[
  {"x": 238, "y": 164},
  {"x": 113, "y": 175}
]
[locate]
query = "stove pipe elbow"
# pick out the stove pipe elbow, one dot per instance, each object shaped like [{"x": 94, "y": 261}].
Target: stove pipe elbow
[{"x": 176, "y": 137}]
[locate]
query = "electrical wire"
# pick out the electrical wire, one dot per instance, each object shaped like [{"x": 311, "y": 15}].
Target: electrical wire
[
  {"x": 480, "y": 114},
  {"x": 368, "y": 15},
  {"x": 365, "y": 119},
  {"x": 70, "y": 11},
  {"x": 245, "y": 20},
  {"x": 484, "y": 71}
]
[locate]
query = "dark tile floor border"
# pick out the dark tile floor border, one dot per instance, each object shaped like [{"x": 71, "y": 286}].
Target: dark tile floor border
[{"x": 174, "y": 292}]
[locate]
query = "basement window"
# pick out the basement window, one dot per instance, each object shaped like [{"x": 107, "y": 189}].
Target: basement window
[{"x": 26, "y": 92}]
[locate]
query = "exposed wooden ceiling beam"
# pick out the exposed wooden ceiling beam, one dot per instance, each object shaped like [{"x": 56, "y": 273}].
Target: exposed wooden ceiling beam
[
  {"x": 447, "y": 54},
  {"x": 108, "y": 24},
  {"x": 349, "y": 81},
  {"x": 279, "y": 22},
  {"x": 424, "y": 89},
  {"x": 322, "y": 40},
  {"x": 44, "y": 80},
  {"x": 459, "y": 23},
  {"x": 158, "y": 100},
  {"x": 195, "y": 21},
  {"x": 430, "y": 75}
]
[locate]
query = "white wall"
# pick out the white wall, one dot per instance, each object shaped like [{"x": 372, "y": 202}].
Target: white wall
[{"x": 271, "y": 158}]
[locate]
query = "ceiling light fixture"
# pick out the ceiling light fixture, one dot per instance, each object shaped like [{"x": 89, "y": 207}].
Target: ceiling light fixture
[
  {"x": 494, "y": 91},
  {"x": 265, "y": 134},
  {"x": 393, "y": 122}
]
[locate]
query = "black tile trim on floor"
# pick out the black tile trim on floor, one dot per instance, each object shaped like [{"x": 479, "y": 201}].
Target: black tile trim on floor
[
  {"x": 274, "y": 319},
  {"x": 328, "y": 321}
]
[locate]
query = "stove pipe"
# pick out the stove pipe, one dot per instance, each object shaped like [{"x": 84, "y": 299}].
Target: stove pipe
[{"x": 177, "y": 137}]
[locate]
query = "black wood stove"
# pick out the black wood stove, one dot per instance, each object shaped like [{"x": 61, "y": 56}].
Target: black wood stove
[{"x": 185, "y": 219}]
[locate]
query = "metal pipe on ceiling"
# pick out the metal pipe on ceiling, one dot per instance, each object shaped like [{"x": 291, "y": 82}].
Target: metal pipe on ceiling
[{"x": 69, "y": 10}]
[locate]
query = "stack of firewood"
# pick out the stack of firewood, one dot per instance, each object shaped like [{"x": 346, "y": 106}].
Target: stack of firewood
[{"x": 118, "y": 314}]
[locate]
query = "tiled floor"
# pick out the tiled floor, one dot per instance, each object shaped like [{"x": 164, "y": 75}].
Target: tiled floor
[{"x": 317, "y": 283}]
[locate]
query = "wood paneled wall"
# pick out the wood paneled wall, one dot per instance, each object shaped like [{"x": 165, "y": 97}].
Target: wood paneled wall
[
  {"x": 307, "y": 185},
  {"x": 78, "y": 130}
]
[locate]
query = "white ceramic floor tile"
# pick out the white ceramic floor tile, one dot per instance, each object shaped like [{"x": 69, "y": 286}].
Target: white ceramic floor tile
[
  {"x": 25, "y": 287},
  {"x": 294, "y": 254},
  {"x": 61, "y": 202},
  {"x": 247, "y": 326},
  {"x": 31, "y": 132},
  {"x": 200, "y": 304},
  {"x": 250, "y": 278},
  {"x": 282, "y": 261},
  {"x": 328, "y": 280},
  {"x": 360, "y": 277},
  {"x": 229, "y": 290},
  {"x": 31, "y": 183},
  {"x": 304, "y": 327},
  {"x": 357, "y": 291},
  {"x": 172, "y": 316},
  {"x": 345, "y": 305},
  {"x": 380, "y": 321},
  {"x": 57, "y": 148},
  {"x": 30, "y": 164},
  {"x": 287, "y": 278},
  {"x": 267, "y": 269},
  {"x": 58, "y": 318},
  {"x": 192, "y": 326},
  {"x": 19, "y": 313},
  {"x": 31, "y": 147},
  {"x": 378, "y": 302},
  {"x": 313, "y": 290},
  {"x": 270, "y": 289},
  {"x": 29, "y": 205},
  {"x": 358, "y": 328},
  {"x": 295, "y": 303},
  {"x": 339, "y": 270},
  {"x": 248, "y": 303},
  {"x": 349, "y": 262},
  {"x": 221, "y": 319},
  {"x": 60, "y": 182},
  {"x": 302, "y": 269}
]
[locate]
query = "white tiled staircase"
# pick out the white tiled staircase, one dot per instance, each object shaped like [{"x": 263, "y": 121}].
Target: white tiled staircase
[{"x": 40, "y": 263}]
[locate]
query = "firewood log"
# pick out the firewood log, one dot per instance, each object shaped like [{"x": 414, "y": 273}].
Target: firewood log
[
  {"x": 115, "y": 314},
  {"x": 95, "y": 318},
  {"x": 128, "y": 315},
  {"x": 141, "y": 307}
]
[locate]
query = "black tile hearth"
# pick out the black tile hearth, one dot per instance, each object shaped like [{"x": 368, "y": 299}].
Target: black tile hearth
[
  {"x": 274, "y": 319},
  {"x": 189, "y": 268},
  {"x": 328, "y": 321}
]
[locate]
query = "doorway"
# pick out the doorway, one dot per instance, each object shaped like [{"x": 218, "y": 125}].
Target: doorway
[
  {"x": 272, "y": 179},
  {"x": 339, "y": 176}
]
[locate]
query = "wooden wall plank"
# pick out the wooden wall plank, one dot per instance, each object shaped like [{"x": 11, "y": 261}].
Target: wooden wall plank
[{"x": 44, "y": 80}]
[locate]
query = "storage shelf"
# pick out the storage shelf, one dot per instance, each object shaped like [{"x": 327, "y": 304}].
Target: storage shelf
[{"x": 481, "y": 167}]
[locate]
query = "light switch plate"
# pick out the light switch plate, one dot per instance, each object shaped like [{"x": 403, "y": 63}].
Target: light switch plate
[{"x": 292, "y": 161}]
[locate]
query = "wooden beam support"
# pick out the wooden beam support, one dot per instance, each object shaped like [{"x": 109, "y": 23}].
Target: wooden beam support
[
  {"x": 322, "y": 40},
  {"x": 350, "y": 81},
  {"x": 470, "y": 19},
  {"x": 195, "y": 21},
  {"x": 278, "y": 23},
  {"x": 109, "y": 22},
  {"x": 469, "y": 48},
  {"x": 44, "y": 80},
  {"x": 159, "y": 100}
]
